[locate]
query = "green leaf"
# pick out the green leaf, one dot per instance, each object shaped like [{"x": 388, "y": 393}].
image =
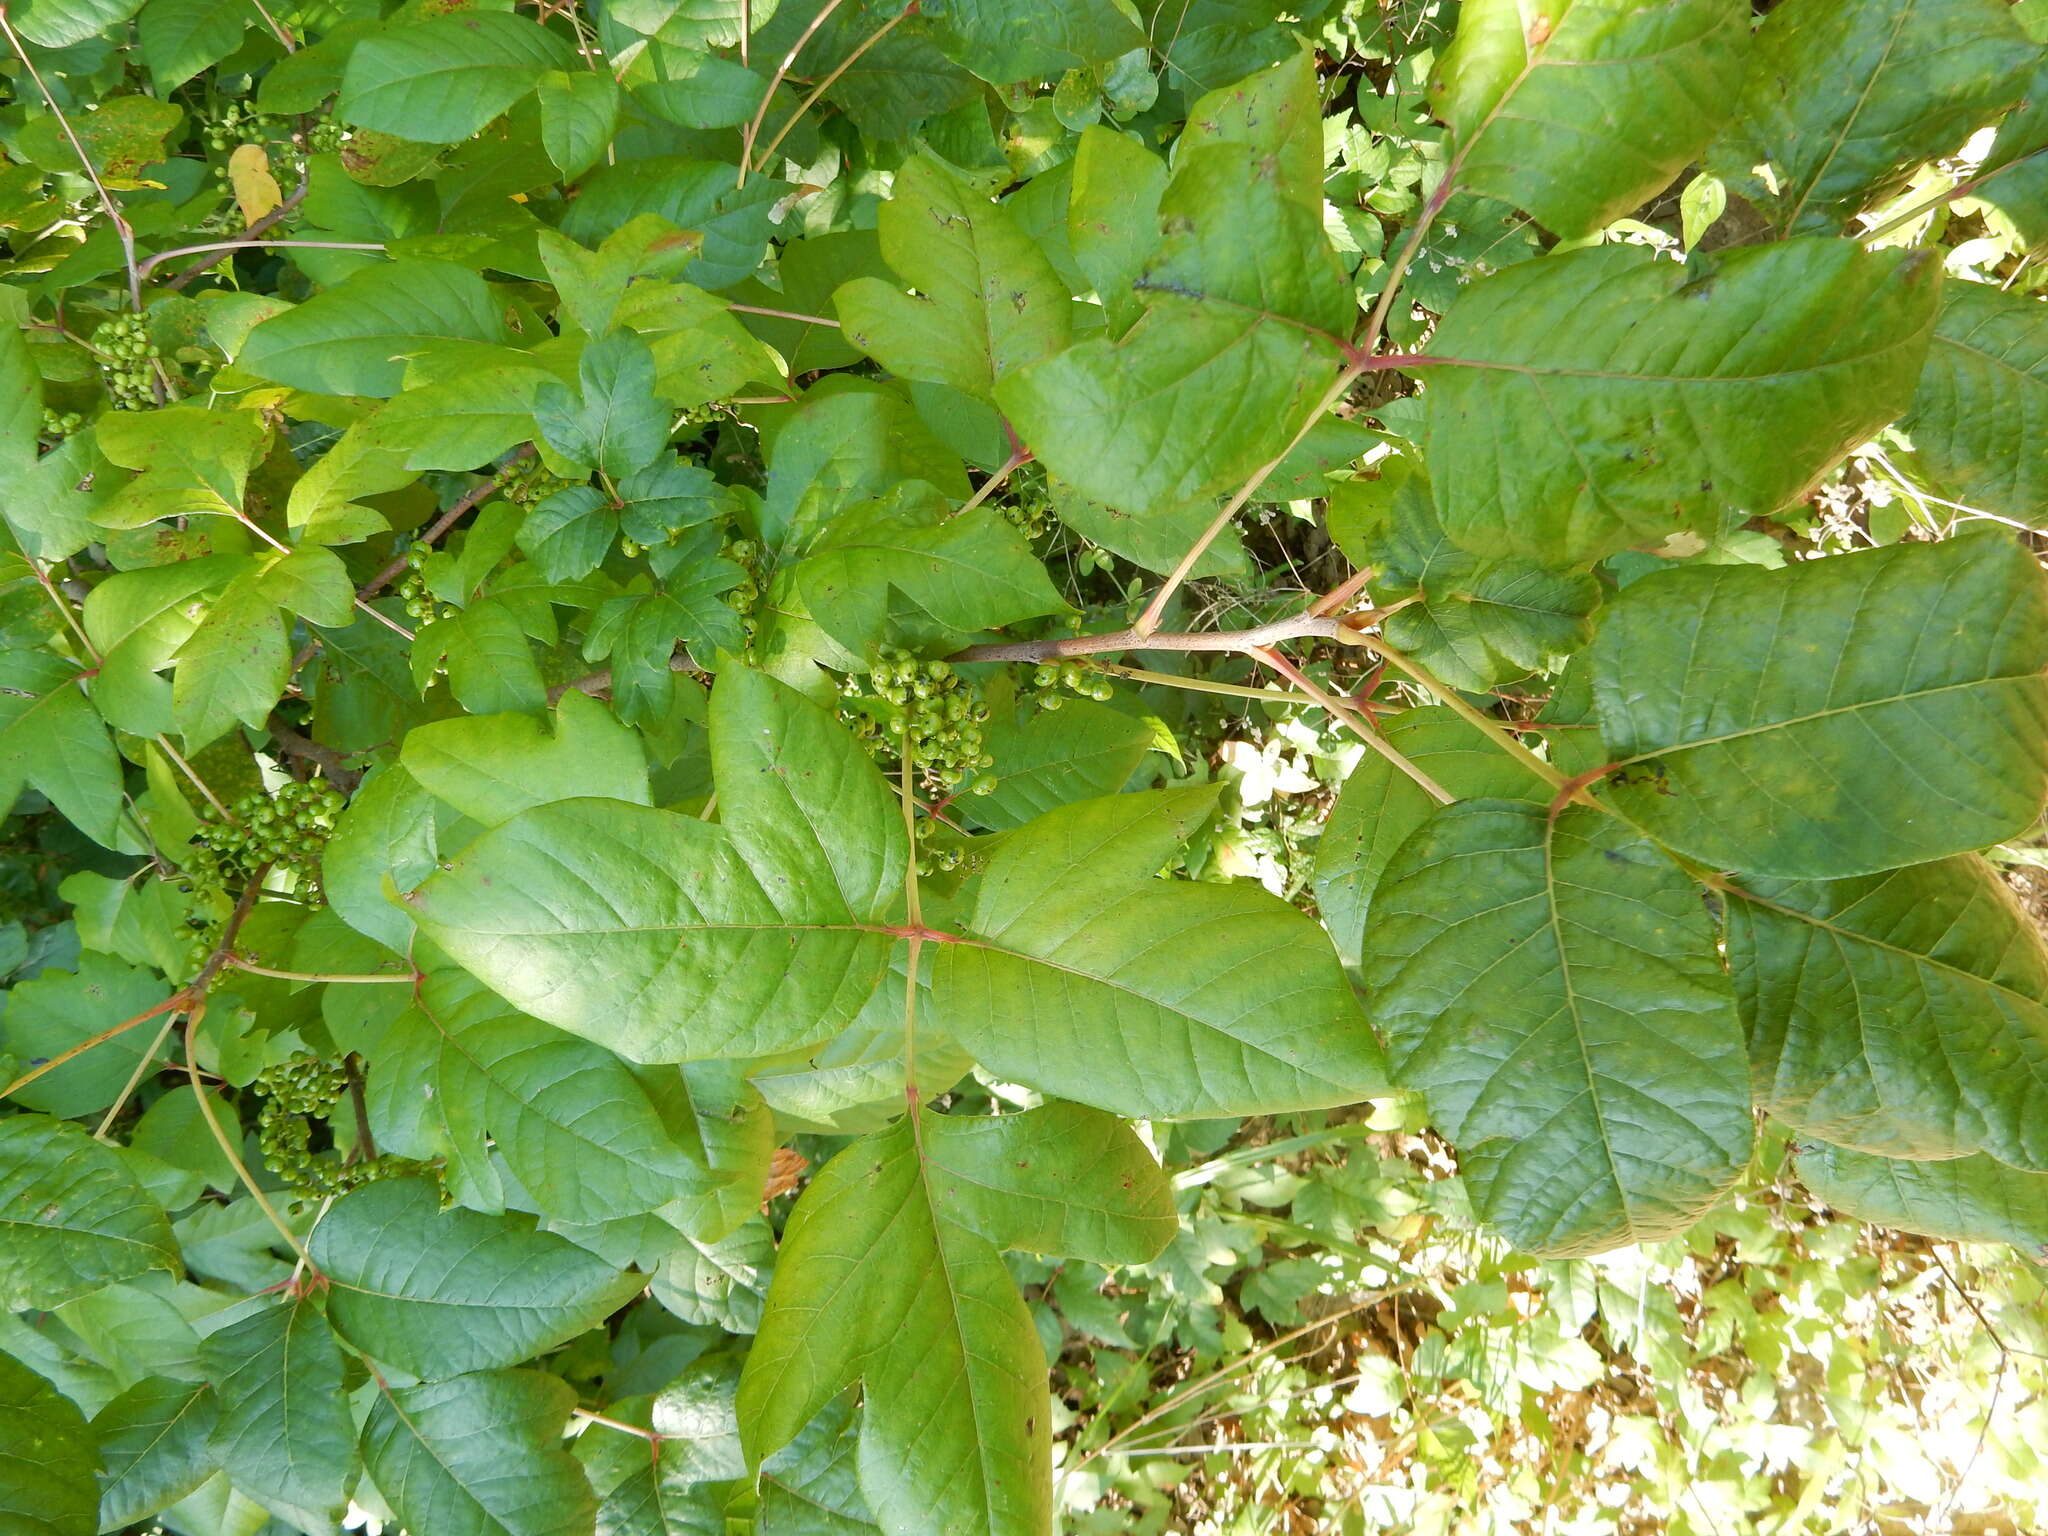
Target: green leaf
[
  {"x": 440, "y": 1292},
  {"x": 179, "y": 38},
  {"x": 570, "y": 1121},
  {"x": 49, "y": 1458},
  {"x": 387, "y": 832},
  {"x": 720, "y": 93},
  {"x": 354, "y": 338},
  {"x": 58, "y": 1010},
  {"x": 652, "y": 933},
  {"x": 1479, "y": 622},
  {"x": 72, "y": 1217},
  {"x": 1904, "y": 1013},
  {"x": 1585, "y": 115},
  {"x": 1071, "y": 944},
  {"x": 579, "y": 114},
  {"x": 61, "y": 23},
  {"x": 986, "y": 300},
  {"x": 194, "y": 462},
  {"x": 233, "y": 667},
  {"x": 479, "y": 1455},
  {"x": 1551, "y": 986},
  {"x": 720, "y": 1284},
  {"x": 1982, "y": 407},
  {"x": 492, "y": 767},
  {"x": 1844, "y": 97},
  {"x": 1048, "y": 759},
  {"x": 311, "y": 582},
  {"x": 879, "y": 1283},
  {"x": 1113, "y": 218},
  {"x": 1194, "y": 399},
  {"x": 156, "y": 1447},
  {"x": 491, "y": 669},
  {"x": 618, "y": 426},
  {"x": 663, "y": 1488},
  {"x": 440, "y": 80},
  {"x": 51, "y": 739},
  {"x": 1675, "y": 396},
  {"x": 1002, "y": 41},
  {"x": 1060, "y": 1180},
  {"x": 1963, "y": 1199},
  {"x": 969, "y": 571},
  {"x": 1835, "y": 717},
  {"x": 811, "y": 1486},
  {"x": 1379, "y": 806},
  {"x": 285, "y": 1435}
]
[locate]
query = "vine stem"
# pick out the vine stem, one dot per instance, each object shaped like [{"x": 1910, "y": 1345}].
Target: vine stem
[
  {"x": 228, "y": 1148},
  {"x": 1485, "y": 724},
  {"x": 913, "y": 907},
  {"x": 782, "y": 314},
  {"x": 281, "y": 211},
  {"x": 1148, "y": 621},
  {"x": 135, "y": 1078},
  {"x": 1961, "y": 189},
  {"x": 1359, "y": 728},
  {"x": 464, "y": 505},
  {"x": 753, "y": 129},
  {"x": 1205, "y": 685},
  {"x": 652, "y": 1437},
  {"x": 238, "y": 963},
  {"x": 993, "y": 483},
  {"x": 828, "y": 82},
  {"x": 1301, "y": 627},
  {"x": 170, "y": 1005},
  {"x": 123, "y": 231}
]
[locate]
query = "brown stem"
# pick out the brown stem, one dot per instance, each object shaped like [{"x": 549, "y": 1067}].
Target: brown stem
[{"x": 467, "y": 503}]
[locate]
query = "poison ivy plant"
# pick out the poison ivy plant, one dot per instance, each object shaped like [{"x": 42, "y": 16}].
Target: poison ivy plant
[{"x": 672, "y": 680}]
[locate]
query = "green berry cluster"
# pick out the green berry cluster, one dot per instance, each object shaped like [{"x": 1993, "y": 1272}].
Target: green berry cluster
[
  {"x": 128, "y": 361},
  {"x": 935, "y": 861},
  {"x": 527, "y": 482},
  {"x": 1074, "y": 676},
  {"x": 1028, "y": 507},
  {"x": 932, "y": 710},
  {"x": 238, "y": 124},
  {"x": 745, "y": 598},
  {"x": 295, "y": 1094},
  {"x": 285, "y": 828},
  {"x": 326, "y": 136},
  {"x": 419, "y": 602},
  {"x": 61, "y": 424}
]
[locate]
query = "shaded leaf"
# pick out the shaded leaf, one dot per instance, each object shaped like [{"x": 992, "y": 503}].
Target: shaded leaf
[
  {"x": 1835, "y": 717},
  {"x": 1551, "y": 987}
]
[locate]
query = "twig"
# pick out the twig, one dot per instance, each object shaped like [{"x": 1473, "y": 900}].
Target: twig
[
  {"x": 1205, "y": 685},
  {"x": 235, "y": 245},
  {"x": 170, "y": 1004},
  {"x": 994, "y": 482},
  {"x": 142, "y": 1066},
  {"x": 228, "y": 1149},
  {"x": 753, "y": 128},
  {"x": 1301, "y": 627},
  {"x": 827, "y": 83},
  {"x": 464, "y": 505},
  {"x": 123, "y": 231},
  {"x": 1149, "y": 619},
  {"x": 329, "y": 761},
  {"x": 1359, "y": 728},
  {"x": 782, "y": 314},
  {"x": 1492, "y": 729},
  {"x": 242, "y": 963},
  {"x": 1961, "y": 189},
  {"x": 283, "y": 36}
]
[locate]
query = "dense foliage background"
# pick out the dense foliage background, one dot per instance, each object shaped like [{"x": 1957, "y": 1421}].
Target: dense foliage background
[{"x": 1130, "y": 765}]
